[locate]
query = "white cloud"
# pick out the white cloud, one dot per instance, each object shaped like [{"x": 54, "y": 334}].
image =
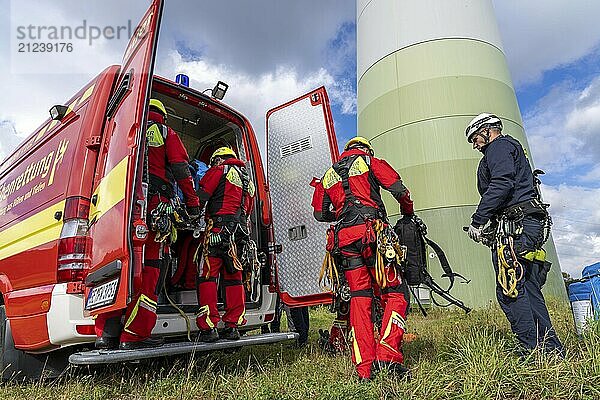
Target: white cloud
[
  {"x": 256, "y": 36},
  {"x": 539, "y": 35},
  {"x": 273, "y": 50},
  {"x": 564, "y": 129},
  {"x": 576, "y": 228},
  {"x": 254, "y": 95}
]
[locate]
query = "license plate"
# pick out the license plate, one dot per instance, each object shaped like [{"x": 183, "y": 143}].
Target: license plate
[{"x": 102, "y": 295}]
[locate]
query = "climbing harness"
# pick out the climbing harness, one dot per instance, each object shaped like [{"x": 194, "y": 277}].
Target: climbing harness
[{"x": 509, "y": 226}]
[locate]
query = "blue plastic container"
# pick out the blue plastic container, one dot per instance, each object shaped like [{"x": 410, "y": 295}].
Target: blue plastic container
[
  {"x": 580, "y": 296},
  {"x": 592, "y": 272}
]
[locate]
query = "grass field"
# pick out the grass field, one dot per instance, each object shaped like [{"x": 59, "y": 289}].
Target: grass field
[{"x": 454, "y": 356}]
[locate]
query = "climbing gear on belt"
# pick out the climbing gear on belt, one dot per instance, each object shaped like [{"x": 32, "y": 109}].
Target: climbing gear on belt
[
  {"x": 251, "y": 269},
  {"x": 412, "y": 234},
  {"x": 390, "y": 253},
  {"x": 162, "y": 224},
  {"x": 329, "y": 277},
  {"x": 508, "y": 226},
  {"x": 204, "y": 249},
  {"x": 508, "y": 266}
]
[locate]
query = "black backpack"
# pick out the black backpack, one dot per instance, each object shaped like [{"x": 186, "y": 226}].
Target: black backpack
[{"x": 412, "y": 233}]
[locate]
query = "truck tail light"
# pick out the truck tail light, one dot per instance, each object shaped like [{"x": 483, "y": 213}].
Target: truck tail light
[
  {"x": 74, "y": 246},
  {"x": 85, "y": 330}
]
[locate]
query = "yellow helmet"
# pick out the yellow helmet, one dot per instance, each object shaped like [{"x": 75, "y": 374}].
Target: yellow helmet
[
  {"x": 159, "y": 106},
  {"x": 222, "y": 151},
  {"x": 359, "y": 141}
]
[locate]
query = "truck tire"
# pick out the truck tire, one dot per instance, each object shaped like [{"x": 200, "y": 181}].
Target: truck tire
[{"x": 17, "y": 365}]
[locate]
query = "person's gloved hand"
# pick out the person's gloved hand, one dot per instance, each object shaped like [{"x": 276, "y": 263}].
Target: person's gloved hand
[
  {"x": 474, "y": 232},
  {"x": 193, "y": 212}
]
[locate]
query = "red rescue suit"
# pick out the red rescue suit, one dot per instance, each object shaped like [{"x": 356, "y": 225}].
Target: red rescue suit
[
  {"x": 166, "y": 157},
  {"x": 349, "y": 193},
  {"x": 230, "y": 196}
]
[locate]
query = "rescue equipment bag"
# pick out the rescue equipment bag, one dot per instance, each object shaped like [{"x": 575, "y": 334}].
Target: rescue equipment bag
[{"x": 412, "y": 234}]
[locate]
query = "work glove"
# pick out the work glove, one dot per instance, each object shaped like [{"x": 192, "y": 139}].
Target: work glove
[
  {"x": 193, "y": 212},
  {"x": 474, "y": 232}
]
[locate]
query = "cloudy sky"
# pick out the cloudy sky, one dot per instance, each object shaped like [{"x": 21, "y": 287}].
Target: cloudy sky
[{"x": 270, "y": 51}]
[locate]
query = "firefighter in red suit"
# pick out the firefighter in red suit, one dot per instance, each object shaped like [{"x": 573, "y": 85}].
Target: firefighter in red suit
[
  {"x": 165, "y": 153},
  {"x": 349, "y": 193},
  {"x": 229, "y": 196}
]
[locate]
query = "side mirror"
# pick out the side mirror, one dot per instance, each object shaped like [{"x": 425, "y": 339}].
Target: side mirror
[{"x": 218, "y": 92}]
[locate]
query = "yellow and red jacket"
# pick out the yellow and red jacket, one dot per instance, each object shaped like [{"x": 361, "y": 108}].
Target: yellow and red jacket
[
  {"x": 166, "y": 151},
  {"x": 223, "y": 187},
  {"x": 352, "y": 200}
]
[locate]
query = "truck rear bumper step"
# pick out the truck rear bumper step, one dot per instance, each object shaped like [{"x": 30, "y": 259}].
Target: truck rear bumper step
[{"x": 96, "y": 357}]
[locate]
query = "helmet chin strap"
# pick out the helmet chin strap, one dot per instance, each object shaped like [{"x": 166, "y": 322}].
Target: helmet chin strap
[
  {"x": 485, "y": 137},
  {"x": 363, "y": 148}
]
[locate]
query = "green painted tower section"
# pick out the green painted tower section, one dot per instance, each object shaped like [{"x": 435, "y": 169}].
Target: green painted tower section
[{"x": 425, "y": 69}]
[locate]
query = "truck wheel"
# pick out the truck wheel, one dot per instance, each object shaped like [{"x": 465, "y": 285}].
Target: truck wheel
[{"x": 20, "y": 366}]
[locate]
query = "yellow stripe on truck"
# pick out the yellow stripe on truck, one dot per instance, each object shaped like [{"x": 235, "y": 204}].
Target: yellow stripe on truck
[
  {"x": 110, "y": 191},
  {"x": 35, "y": 231}
]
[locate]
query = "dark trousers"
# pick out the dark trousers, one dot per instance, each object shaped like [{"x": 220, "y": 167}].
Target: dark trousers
[
  {"x": 299, "y": 317},
  {"x": 527, "y": 313}
]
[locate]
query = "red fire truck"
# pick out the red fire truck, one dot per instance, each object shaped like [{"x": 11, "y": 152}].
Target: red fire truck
[{"x": 72, "y": 201}]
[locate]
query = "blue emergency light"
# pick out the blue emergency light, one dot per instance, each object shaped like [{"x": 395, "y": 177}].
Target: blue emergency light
[{"x": 183, "y": 80}]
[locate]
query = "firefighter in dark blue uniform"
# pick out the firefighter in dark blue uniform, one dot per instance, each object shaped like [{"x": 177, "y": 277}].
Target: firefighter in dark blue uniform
[{"x": 519, "y": 226}]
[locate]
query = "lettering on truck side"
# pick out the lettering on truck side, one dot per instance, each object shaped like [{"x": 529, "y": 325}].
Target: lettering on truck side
[{"x": 46, "y": 167}]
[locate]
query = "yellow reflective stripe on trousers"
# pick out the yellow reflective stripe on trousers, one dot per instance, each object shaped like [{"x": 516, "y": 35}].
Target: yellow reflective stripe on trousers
[
  {"x": 388, "y": 328},
  {"x": 204, "y": 310},
  {"x": 241, "y": 319},
  {"x": 394, "y": 318},
  {"x": 145, "y": 302},
  {"x": 355, "y": 348}
]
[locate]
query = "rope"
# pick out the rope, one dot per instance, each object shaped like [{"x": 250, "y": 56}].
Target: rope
[
  {"x": 380, "y": 275},
  {"x": 232, "y": 252},
  {"x": 204, "y": 247},
  {"x": 328, "y": 277},
  {"x": 507, "y": 272},
  {"x": 180, "y": 311}
]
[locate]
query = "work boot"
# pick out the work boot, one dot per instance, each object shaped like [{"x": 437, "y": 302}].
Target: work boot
[
  {"x": 230, "y": 334},
  {"x": 208, "y": 336},
  {"x": 106, "y": 343},
  {"x": 142, "y": 344},
  {"x": 393, "y": 368}
]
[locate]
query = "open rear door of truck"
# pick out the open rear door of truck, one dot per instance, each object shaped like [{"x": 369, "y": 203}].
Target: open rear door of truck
[
  {"x": 301, "y": 144},
  {"x": 117, "y": 180}
]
